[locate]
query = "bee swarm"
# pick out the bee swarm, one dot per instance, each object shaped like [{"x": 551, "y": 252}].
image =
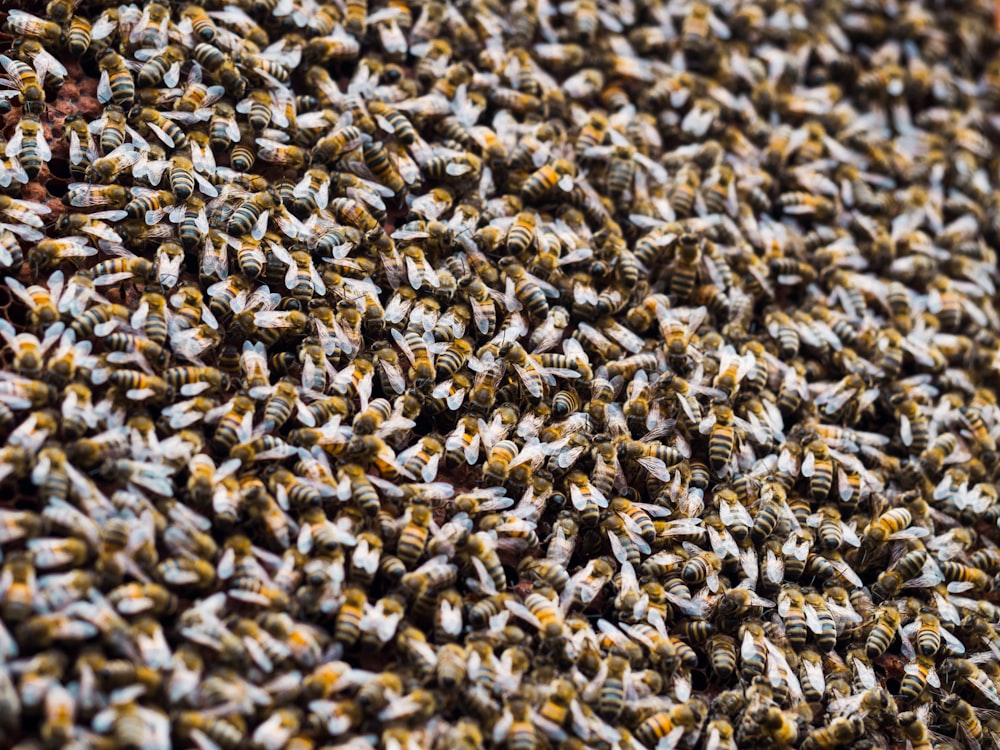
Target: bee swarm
[{"x": 484, "y": 374}]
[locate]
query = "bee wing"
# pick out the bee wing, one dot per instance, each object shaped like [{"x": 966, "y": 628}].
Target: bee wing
[
  {"x": 206, "y": 187},
  {"x": 409, "y": 234},
  {"x": 734, "y": 513},
  {"x": 232, "y": 129},
  {"x": 905, "y": 430},
  {"x": 809, "y": 464},
  {"x": 75, "y": 247},
  {"x": 260, "y": 226},
  {"x": 481, "y": 316},
  {"x": 13, "y": 171},
  {"x": 847, "y": 572},
  {"x": 629, "y": 340},
  {"x": 618, "y": 549},
  {"x": 44, "y": 150},
  {"x": 46, "y": 64},
  {"x": 849, "y": 535},
  {"x": 158, "y": 132},
  {"x": 11, "y": 67},
  {"x": 755, "y": 428},
  {"x": 404, "y": 346},
  {"x": 913, "y": 532},
  {"x": 812, "y": 618},
  {"x": 748, "y": 649},
  {"x": 634, "y": 533},
  {"x": 518, "y": 609},
  {"x": 14, "y": 144},
  {"x": 485, "y": 583},
  {"x": 774, "y": 567},
  {"x": 102, "y": 231},
  {"x": 173, "y": 75},
  {"x": 151, "y": 171},
  {"x": 531, "y": 384},
  {"x": 723, "y": 544},
  {"x": 656, "y": 467},
  {"x": 303, "y": 187},
  {"x": 865, "y": 674},
  {"x": 935, "y": 681}
]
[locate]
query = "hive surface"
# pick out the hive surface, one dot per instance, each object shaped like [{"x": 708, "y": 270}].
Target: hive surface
[{"x": 482, "y": 374}]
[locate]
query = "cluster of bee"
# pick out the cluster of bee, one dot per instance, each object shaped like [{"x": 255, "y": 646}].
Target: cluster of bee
[{"x": 429, "y": 374}]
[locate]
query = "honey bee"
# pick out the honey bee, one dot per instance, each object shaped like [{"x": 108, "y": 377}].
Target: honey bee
[
  {"x": 918, "y": 675},
  {"x": 664, "y": 724},
  {"x": 78, "y": 36},
  {"x": 150, "y": 28},
  {"x": 225, "y": 733},
  {"x": 116, "y": 84},
  {"x": 19, "y": 587},
  {"x": 592, "y": 134},
  {"x": 621, "y": 172},
  {"x": 965, "y": 576},
  {"x": 521, "y": 233},
  {"x": 893, "y": 524},
  {"x": 107, "y": 168},
  {"x": 46, "y": 31},
  {"x": 196, "y": 20},
  {"x": 347, "y": 628},
  {"x": 964, "y": 716},
  {"x": 413, "y": 537},
  {"x": 85, "y": 195},
  {"x": 112, "y": 127},
  {"x": 221, "y": 66},
  {"x": 913, "y": 424},
  {"x": 546, "y": 179},
  {"x": 883, "y": 632},
  {"x": 378, "y": 161},
  {"x": 542, "y": 612},
  {"x": 16, "y": 525},
  {"x": 481, "y": 300},
  {"x": 528, "y": 290},
  {"x": 82, "y": 148},
  {"x": 722, "y": 426},
  {"x": 685, "y": 191},
  {"x": 28, "y": 144},
  {"x": 701, "y": 568},
  {"x": 342, "y": 140},
  {"x": 27, "y": 82},
  {"x": 152, "y": 121},
  {"x": 841, "y": 731}
]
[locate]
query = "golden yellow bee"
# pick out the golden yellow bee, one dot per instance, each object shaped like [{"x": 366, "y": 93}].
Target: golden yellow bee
[
  {"x": 546, "y": 179},
  {"x": 661, "y": 724},
  {"x": 892, "y": 524}
]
